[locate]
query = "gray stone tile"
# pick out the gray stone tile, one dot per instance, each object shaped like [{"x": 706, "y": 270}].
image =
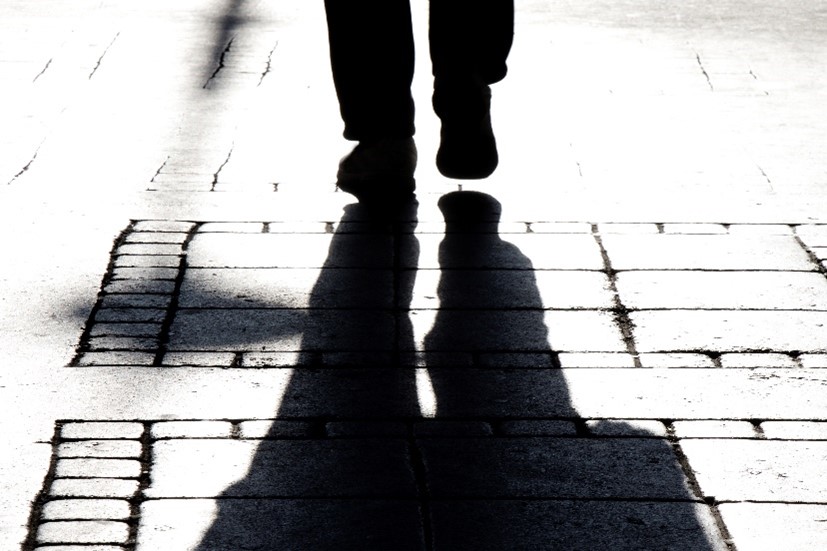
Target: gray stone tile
[
  {"x": 100, "y": 448},
  {"x": 277, "y": 250},
  {"x": 705, "y": 252},
  {"x": 287, "y": 288},
  {"x": 787, "y": 526},
  {"x": 191, "y": 429},
  {"x": 767, "y": 360},
  {"x": 714, "y": 429},
  {"x": 538, "y": 428},
  {"x": 319, "y": 524},
  {"x": 759, "y": 470},
  {"x": 675, "y": 360},
  {"x": 795, "y": 430},
  {"x": 730, "y": 331},
  {"x": 281, "y": 468},
  {"x": 86, "y": 531},
  {"x": 281, "y": 330},
  {"x": 87, "y": 509},
  {"x": 629, "y": 427},
  {"x": 583, "y": 525},
  {"x": 723, "y": 290},
  {"x": 278, "y": 428},
  {"x": 543, "y": 467},
  {"x": 94, "y": 487},
  {"x": 95, "y": 468},
  {"x": 94, "y": 430}
]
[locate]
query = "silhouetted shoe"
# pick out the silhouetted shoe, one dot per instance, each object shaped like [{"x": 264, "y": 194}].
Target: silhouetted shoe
[
  {"x": 379, "y": 171},
  {"x": 467, "y": 150}
]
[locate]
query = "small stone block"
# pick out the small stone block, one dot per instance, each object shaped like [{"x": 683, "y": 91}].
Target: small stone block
[
  {"x": 270, "y": 359},
  {"x": 234, "y": 227},
  {"x": 192, "y": 429},
  {"x": 760, "y": 229},
  {"x": 162, "y": 226},
  {"x": 795, "y": 430},
  {"x": 141, "y": 286},
  {"x": 131, "y": 314},
  {"x": 100, "y": 448},
  {"x": 199, "y": 359},
  {"x": 757, "y": 360},
  {"x": 623, "y": 228},
  {"x": 86, "y": 509},
  {"x": 144, "y": 274},
  {"x": 627, "y": 427},
  {"x": 90, "y": 359},
  {"x": 539, "y": 428},
  {"x": 559, "y": 227},
  {"x": 279, "y": 428},
  {"x": 98, "y": 468},
  {"x": 452, "y": 428},
  {"x": 714, "y": 429},
  {"x": 130, "y": 301},
  {"x": 129, "y": 344},
  {"x": 147, "y": 261},
  {"x": 814, "y": 361},
  {"x": 81, "y": 548},
  {"x": 695, "y": 229},
  {"x": 126, "y": 329},
  {"x": 94, "y": 487},
  {"x": 592, "y": 360},
  {"x": 87, "y": 531},
  {"x": 349, "y": 429},
  {"x": 96, "y": 430},
  {"x": 156, "y": 237},
  {"x": 791, "y": 527},
  {"x": 510, "y": 360},
  {"x": 655, "y": 360}
]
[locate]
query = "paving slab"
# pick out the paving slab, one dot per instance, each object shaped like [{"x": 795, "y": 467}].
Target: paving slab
[{"x": 796, "y": 527}]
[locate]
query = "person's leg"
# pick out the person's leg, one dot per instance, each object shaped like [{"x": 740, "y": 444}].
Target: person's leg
[
  {"x": 470, "y": 41},
  {"x": 372, "y": 58}
]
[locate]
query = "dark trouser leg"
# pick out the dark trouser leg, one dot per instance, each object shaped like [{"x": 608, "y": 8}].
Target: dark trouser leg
[
  {"x": 372, "y": 57},
  {"x": 470, "y": 41}
]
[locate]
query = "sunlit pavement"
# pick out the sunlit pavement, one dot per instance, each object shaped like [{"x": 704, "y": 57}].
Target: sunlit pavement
[{"x": 206, "y": 346}]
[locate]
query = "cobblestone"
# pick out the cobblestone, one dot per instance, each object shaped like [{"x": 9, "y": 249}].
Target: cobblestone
[
  {"x": 787, "y": 526},
  {"x": 98, "y": 468},
  {"x": 86, "y": 509},
  {"x": 714, "y": 429},
  {"x": 97, "y": 531},
  {"x": 94, "y": 487},
  {"x": 100, "y": 448},
  {"x": 191, "y": 429},
  {"x": 101, "y": 430},
  {"x": 795, "y": 430}
]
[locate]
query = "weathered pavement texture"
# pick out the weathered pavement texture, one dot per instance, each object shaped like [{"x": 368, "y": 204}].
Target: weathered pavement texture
[{"x": 206, "y": 346}]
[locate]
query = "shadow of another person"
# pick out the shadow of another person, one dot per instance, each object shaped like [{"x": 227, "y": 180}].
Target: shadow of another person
[{"x": 538, "y": 478}]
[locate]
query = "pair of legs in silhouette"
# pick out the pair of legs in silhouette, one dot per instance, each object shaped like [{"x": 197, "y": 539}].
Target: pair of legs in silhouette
[{"x": 372, "y": 57}]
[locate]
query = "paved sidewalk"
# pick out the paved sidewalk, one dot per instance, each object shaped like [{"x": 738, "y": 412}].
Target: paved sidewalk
[{"x": 616, "y": 342}]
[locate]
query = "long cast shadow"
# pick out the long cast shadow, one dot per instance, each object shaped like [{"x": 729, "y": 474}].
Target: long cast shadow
[{"x": 496, "y": 469}]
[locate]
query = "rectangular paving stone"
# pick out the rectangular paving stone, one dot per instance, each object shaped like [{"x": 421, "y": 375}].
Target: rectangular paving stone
[
  {"x": 795, "y": 430},
  {"x": 126, "y": 329},
  {"x": 149, "y": 249},
  {"x": 542, "y": 467},
  {"x": 758, "y": 360},
  {"x": 595, "y": 359},
  {"x": 199, "y": 359},
  {"x": 281, "y": 468},
  {"x": 151, "y": 313},
  {"x": 96, "y": 430},
  {"x": 814, "y": 235},
  {"x": 508, "y": 360},
  {"x": 538, "y": 427},
  {"x": 759, "y": 470},
  {"x": 281, "y": 330},
  {"x": 83, "y": 548},
  {"x": 513, "y": 251},
  {"x": 561, "y": 524},
  {"x": 162, "y": 226},
  {"x": 514, "y": 289},
  {"x": 271, "y": 359},
  {"x": 516, "y": 330},
  {"x": 626, "y": 228},
  {"x": 147, "y": 261},
  {"x": 706, "y": 252},
  {"x": 87, "y": 531},
  {"x": 760, "y": 229},
  {"x": 287, "y": 288},
  {"x": 100, "y": 448},
  {"x": 89, "y": 359},
  {"x": 156, "y": 237},
  {"x": 232, "y": 227},
  {"x": 730, "y": 331},
  {"x": 191, "y": 429},
  {"x": 558, "y": 227},
  {"x": 813, "y": 360},
  {"x": 86, "y": 509},
  {"x": 627, "y": 427},
  {"x": 141, "y": 286},
  {"x": 452, "y": 429},
  {"x": 97, "y": 468},
  {"x": 123, "y": 343},
  {"x": 356, "y": 429},
  {"x": 219, "y": 525},
  {"x": 669, "y": 361},
  {"x": 290, "y": 251},
  {"x": 723, "y": 290},
  {"x": 714, "y": 429},
  {"x": 788, "y": 526},
  {"x": 277, "y": 428},
  {"x": 132, "y": 274},
  {"x": 695, "y": 229},
  {"x": 122, "y": 303},
  {"x": 94, "y": 487}
]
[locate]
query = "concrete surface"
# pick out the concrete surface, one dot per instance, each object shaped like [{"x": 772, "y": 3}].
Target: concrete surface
[{"x": 206, "y": 346}]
